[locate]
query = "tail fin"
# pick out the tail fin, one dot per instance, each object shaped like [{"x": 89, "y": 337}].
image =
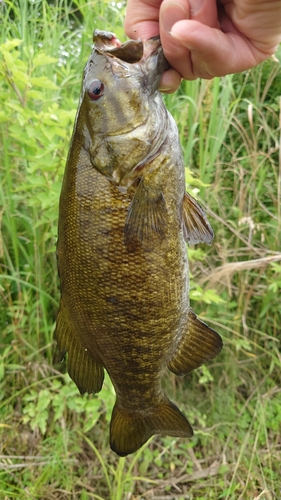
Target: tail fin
[{"x": 130, "y": 430}]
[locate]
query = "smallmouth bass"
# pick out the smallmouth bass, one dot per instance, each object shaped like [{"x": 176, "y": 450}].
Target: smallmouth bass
[{"x": 124, "y": 220}]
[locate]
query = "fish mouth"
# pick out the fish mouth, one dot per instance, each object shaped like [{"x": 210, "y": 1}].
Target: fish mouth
[{"x": 132, "y": 51}]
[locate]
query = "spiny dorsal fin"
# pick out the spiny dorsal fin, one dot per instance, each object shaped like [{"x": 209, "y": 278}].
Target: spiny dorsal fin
[
  {"x": 130, "y": 430},
  {"x": 146, "y": 219},
  {"x": 85, "y": 371},
  {"x": 196, "y": 227},
  {"x": 199, "y": 344}
]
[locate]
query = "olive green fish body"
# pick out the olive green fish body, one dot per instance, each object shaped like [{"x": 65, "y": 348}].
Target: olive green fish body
[{"x": 124, "y": 219}]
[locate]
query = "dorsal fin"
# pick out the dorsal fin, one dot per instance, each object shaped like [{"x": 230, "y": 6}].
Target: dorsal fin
[{"x": 199, "y": 344}]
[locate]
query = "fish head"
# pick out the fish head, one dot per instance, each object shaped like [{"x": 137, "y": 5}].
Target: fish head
[{"x": 119, "y": 117}]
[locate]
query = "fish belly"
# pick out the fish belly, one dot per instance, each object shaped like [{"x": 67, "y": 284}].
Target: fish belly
[{"x": 127, "y": 308}]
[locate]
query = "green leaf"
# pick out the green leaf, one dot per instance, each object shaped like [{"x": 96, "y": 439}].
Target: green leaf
[
  {"x": 58, "y": 404},
  {"x": 43, "y": 81},
  {"x": 10, "y": 45},
  {"x": 3, "y": 116},
  {"x": 44, "y": 399},
  {"x": 8, "y": 58},
  {"x": 206, "y": 375},
  {"x": 210, "y": 296},
  {"x": 41, "y": 59},
  {"x": 42, "y": 421},
  {"x": 20, "y": 76},
  {"x": 36, "y": 94}
]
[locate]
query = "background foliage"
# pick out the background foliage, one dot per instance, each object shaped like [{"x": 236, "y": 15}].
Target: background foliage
[{"x": 53, "y": 442}]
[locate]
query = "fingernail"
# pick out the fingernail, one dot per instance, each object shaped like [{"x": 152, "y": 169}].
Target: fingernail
[
  {"x": 171, "y": 14},
  {"x": 195, "y": 6},
  {"x": 165, "y": 90},
  {"x": 180, "y": 37},
  {"x": 176, "y": 35}
]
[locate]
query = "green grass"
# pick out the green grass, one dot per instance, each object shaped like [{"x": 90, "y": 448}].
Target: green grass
[{"x": 54, "y": 442}]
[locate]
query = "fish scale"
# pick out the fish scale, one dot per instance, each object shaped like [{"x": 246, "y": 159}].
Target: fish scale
[{"x": 124, "y": 221}]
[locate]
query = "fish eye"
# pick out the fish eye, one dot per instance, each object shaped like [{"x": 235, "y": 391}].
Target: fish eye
[{"x": 95, "y": 90}]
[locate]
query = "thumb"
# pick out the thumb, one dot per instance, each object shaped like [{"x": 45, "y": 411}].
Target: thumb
[{"x": 175, "y": 52}]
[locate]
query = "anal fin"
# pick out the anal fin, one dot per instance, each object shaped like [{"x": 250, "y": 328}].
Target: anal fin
[
  {"x": 85, "y": 371},
  {"x": 130, "y": 430},
  {"x": 199, "y": 344},
  {"x": 196, "y": 227}
]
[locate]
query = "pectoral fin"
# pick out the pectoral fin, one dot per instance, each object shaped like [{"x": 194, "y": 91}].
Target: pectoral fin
[
  {"x": 196, "y": 227},
  {"x": 85, "y": 371},
  {"x": 130, "y": 430},
  {"x": 199, "y": 344},
  {"x": 146, "y": 219}
]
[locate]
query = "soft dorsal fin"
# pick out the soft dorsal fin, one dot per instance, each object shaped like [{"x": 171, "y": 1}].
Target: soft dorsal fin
[
  {"x": 196, "y": 227},
  {"x": 199, "y": 344}
]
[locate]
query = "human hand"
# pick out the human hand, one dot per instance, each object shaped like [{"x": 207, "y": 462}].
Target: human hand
[{"x": 207, "y": 38}]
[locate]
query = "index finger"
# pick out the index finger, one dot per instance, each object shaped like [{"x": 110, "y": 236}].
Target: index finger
[
  {"x": 142, "y": 21},
  {"x": 142, "y": 18}
]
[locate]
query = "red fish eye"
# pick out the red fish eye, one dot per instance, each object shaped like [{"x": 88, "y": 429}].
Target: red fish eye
[{"x": 95, "y": 90}]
